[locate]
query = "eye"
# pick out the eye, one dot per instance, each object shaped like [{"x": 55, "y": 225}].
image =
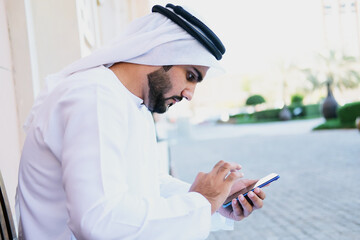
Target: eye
[{"x": 190, "y": 76}]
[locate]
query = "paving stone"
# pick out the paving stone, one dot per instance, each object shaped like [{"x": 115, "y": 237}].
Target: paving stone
[{"x": 317, "y": 195}]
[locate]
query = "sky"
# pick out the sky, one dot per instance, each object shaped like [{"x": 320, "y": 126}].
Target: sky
[
  {"x": 260, "y": 33},
  {"x": 264, "y": 37}
]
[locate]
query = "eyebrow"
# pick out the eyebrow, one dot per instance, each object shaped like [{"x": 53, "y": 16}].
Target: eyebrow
[{"x": 200, "y": 76}]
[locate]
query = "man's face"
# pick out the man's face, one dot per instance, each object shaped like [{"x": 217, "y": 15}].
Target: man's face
[{"x": 169, "y": 85}]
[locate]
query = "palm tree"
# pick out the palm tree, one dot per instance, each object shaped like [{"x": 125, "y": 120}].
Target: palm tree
[
  {"x": 340, "y": 70},
  {"x": 334, "y": 70}
]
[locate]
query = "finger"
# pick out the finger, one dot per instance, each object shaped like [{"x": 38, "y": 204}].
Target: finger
[
  {"x": 247, "y": 208},
  {"x": 226, "y": 167},
  {"x": 260, "y": 193},
  {"x": 234, "y": 176},
  {"x": 237, "y": 209},
  {"x": 258, "y": 203},
  {"x": 218, "y": 164},
  {"x": 234, "y": 170}
]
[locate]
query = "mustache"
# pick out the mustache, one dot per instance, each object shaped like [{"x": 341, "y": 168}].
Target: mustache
[{"x": 176, "y": 98}]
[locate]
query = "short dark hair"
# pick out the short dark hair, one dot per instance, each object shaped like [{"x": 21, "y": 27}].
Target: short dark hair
[{"x": 167, "y": 67}]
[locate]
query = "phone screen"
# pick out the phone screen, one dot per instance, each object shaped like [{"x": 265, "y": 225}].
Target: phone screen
[{"x": 261, "y": 183}]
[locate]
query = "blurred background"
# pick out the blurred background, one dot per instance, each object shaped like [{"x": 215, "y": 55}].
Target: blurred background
[{"x": 286, "y": 60}]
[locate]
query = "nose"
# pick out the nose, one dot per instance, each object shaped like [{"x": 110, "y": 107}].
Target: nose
[{"x": 188, "y": 92}]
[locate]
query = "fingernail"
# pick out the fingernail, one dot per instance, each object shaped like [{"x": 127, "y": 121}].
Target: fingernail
[
  {"x": 257, "y": 190},
  {"x": 251, "y": 194},
  {"x": 241, "y": 198},
  {"x": 234, "y": 201}
]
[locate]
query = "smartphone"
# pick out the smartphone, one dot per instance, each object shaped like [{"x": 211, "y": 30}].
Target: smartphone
[{"x": 261, "y": 183}]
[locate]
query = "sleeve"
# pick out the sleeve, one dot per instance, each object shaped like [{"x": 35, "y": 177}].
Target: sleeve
[
  {"x": 99, "y": 203},
  {"x": 171, "y": 186}
]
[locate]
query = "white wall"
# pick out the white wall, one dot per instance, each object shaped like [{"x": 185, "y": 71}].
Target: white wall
[
  {"x": 56, "y": 35},
  {"x": 20, "y": 48},
  {"x": 115, "y": 15},
  {"x": 40, "y": 37},
  {"x": 9, "y": 127}
]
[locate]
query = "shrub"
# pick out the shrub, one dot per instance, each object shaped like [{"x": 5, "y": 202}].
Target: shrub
[
  {"x": 254, "y": 100},
  {"x": 271, "y": 114},
  {"x": 349, "y": 112},
  {"x": 296, "y": 99}
]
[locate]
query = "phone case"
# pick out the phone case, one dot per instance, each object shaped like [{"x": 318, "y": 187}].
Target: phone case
[{"x": 261, "y": 183}]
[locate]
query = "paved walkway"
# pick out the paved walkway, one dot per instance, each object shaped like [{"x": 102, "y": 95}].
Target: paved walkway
[{"x": 318, "y": 193}]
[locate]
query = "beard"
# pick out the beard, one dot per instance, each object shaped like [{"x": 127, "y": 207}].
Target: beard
[{"x": 159, "y": 84}]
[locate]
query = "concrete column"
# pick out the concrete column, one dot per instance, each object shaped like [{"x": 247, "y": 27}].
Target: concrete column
[{"x": 9, "y": 123}]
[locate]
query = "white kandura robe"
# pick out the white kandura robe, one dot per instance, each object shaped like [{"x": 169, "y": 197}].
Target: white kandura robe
[{"x": 89, "y": 170}]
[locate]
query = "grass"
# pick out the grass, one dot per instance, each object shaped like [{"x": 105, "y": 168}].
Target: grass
[
  {"x": 334, "y": 124},
  {"x": 249, "y": 119},
  {"x": 329, "y": 124}
]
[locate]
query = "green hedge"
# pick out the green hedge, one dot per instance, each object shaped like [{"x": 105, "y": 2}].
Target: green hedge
[
  {"x": 349, "y": 112},
  {"x": 241, "y": 115},
  {"x": 312, "y": 110},
  {"x": 296, "y": 110},
  {"x": 271, "y": 114},
  {"x": 307, "y": 111}
]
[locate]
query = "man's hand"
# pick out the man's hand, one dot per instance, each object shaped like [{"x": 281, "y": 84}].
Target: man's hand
[
  {"x": 216, "y": 185},
  {"x": 238, "y": 211}
]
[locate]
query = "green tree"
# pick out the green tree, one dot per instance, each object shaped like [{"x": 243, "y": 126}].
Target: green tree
[
  {"x": 255, "y": 100},
  {"x": 297, "y": 99}
]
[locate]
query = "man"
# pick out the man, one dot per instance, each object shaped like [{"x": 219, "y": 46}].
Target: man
[{"x": 88, "y": 168}]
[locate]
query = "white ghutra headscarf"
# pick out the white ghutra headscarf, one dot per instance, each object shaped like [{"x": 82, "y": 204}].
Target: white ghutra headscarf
[{"x": 151, "y": 40}]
